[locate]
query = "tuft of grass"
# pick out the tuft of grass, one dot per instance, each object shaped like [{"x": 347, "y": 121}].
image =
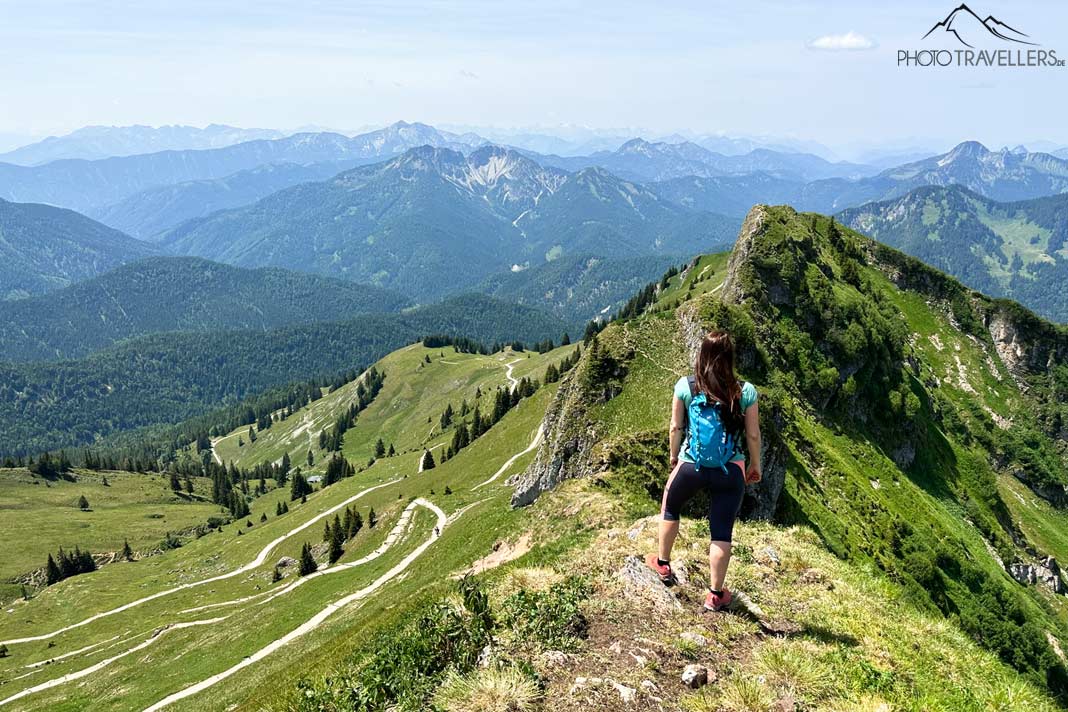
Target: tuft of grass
[{"x": 488, "y": 690}]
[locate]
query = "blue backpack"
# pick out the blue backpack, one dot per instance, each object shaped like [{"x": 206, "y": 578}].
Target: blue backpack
[{"x": 709, "y": 445}]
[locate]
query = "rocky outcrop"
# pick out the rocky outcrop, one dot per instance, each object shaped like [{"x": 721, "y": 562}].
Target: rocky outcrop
[
  {"x": 1026, "y": 344},
  {"x": 1045, "y": 571},
  {"x": 566, "y": 449},
  {"x": 639, "y": 581},
  {"x": 734, "y": 287}
]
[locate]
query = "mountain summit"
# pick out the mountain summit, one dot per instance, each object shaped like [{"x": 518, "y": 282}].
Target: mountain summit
[{"x": 432, "y": 221}]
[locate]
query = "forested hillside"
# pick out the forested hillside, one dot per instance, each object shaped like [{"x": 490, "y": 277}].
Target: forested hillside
[
  {"x": 166, "y": 378},
  {"x": 44, "y": 248},
  {"x": 1017, "y": 250},
  {"x": 176, "y": 294}
]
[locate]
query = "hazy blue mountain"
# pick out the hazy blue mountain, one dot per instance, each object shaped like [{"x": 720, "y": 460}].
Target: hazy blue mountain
[
  {"x": 578, "y": 288},
  {"x": 434, "y": 221},
  {"x": 730, "y": 195},
  {"x": 999, "y": 175},
  {"x": 84, "y": 185},
  {"x": 647, "y": 161},
  {"x": 641, "y": 160},
  {"x": 147, "y": 214},
  {"x": 44, "y": 248},
  {"x": 1017, "y": 250},
  {"x": 176, "y": 294},
  {"x": 94, "y": 142}
]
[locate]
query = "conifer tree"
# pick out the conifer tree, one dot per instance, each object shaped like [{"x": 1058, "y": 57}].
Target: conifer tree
[
  {"x": 52, "y": 572},
  {"x": 380, "y": 448},
  {"x": 428, "y": 460},
  {"x": 276, "y": 575},
  {"x": 311, "y": 458},
  {"x": 357, "y": 523},
  {"x": 307, "y": 561},
  {"x": 337, "y": 542},
  {"x": 372, "y": 518},
  {"x": 392, "y": 451},
  {"x": 263, "y": 517},
  {"x": 83, "y": 503},
  {"x": 127, "y": 553},
  {"x": 176, "y": 486}
]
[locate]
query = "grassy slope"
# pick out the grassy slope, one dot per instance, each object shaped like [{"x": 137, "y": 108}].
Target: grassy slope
[
  {"x": 40, "y": 516},
  {"x": 842, "y": 481},
  {"x": 218, "y": 646},
  {"x": 413, "y": 391}
]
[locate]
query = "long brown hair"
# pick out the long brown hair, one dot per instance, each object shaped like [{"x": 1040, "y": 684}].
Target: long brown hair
[{"x": 714, "y": 376}]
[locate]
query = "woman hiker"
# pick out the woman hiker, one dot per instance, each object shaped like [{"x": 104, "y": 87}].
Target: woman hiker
[{"x": 711, "y": 412}]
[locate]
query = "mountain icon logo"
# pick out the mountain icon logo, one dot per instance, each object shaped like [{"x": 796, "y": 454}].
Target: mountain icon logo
[{"x": 965, "y": 25}]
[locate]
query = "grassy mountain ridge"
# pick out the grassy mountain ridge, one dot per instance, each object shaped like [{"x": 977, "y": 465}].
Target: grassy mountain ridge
[
  {"x": 167, "y": 378},
  {"x": 1016, "y": 250},
  {"x": 176, "y": 294},
  {"x": 44, "y": 248},
  {"x": 894, "y": 400}
]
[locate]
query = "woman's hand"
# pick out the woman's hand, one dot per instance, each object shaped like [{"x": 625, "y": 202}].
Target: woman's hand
[
  {"x": 674, "y": 461},
  {"x": 753, "y": 473}
]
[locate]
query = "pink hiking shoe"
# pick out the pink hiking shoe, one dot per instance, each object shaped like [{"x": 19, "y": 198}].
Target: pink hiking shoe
[
  {"x": 718, "y": 603},
  {"x": 667, "y": 576}
]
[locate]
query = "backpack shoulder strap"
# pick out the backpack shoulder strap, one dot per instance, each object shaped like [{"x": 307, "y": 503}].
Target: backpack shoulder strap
[{"x": 692, "y": 382}]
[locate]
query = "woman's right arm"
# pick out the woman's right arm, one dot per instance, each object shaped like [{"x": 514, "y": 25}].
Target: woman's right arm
[{"x": 678, "y": 428}]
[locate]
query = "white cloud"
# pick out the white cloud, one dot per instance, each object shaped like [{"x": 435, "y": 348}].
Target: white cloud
[{"x": 850, "y": 41}]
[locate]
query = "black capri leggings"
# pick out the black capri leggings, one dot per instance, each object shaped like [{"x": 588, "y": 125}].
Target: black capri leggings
[{"x": 726, "y": 488}]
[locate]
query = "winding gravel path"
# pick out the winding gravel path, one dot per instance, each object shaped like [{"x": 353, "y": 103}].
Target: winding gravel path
[
  {"x": 315, "y": 621},
  {"x": 260, "y": 558}
]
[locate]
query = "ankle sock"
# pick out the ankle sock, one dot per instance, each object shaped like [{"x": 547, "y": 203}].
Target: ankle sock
[
  {"x": 662, "y": 562},
  {"x": 715, "y": 592}
]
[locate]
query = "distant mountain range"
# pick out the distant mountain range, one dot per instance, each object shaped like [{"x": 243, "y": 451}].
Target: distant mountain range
[
  {"x": 1017, "y": 250},
  {"x": 176, "y": 294},
  {"x": 94, "y": 142},
  {"x": 433, "y": 221},
  {"x": 999, "y": 175},
  {"x": 149, "y": 213},
  {"x": 43, "y": 248},
  {"x": 642, "y": 160},
  {"x": 91, "y": 185}
]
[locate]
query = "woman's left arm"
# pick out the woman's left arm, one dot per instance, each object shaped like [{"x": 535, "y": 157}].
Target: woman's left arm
[{"x": 753, "y": 472}]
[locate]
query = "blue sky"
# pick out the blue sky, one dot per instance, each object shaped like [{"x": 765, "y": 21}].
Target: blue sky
[{"x": 743, "y": 68}]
